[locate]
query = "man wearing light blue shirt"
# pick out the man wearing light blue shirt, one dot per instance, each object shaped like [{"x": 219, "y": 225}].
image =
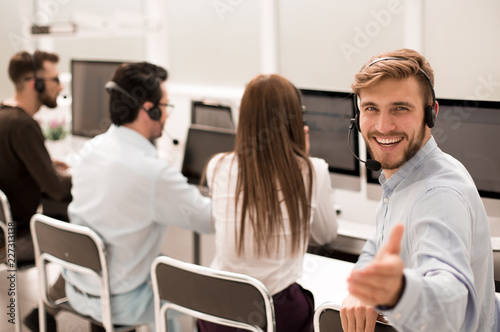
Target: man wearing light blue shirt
[
  {"x": 430, "y": 266},
  {"x": 129, "y": 196}
]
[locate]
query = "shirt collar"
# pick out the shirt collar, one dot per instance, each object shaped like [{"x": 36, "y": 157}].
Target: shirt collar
[
  {"x": 408, "y": 167},
  {"x": 133, "y": 138}
]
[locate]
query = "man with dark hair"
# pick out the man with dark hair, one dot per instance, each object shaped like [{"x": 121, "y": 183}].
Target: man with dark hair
[
  {"x": 26, "y": 169},
  {"x": 129, "y": 196}
]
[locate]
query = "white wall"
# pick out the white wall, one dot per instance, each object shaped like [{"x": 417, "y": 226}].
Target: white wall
[{"x": 213, "y": 47}]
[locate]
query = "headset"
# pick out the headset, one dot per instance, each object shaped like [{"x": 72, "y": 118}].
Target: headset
[
  {"x": 429, "y": 114},
  {"x": 154, "y": 112},
  {"x": 39, "y": 82}
]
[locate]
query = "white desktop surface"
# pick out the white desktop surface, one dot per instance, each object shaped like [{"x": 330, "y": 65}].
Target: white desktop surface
[{"x": 326, "y": 278}]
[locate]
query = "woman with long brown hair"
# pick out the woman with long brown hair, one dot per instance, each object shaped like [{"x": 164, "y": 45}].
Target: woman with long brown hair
[{"x": 269, "y": 198}]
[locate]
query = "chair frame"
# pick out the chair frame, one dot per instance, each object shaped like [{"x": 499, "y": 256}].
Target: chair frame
[
  {"x": 161, "y": 309},
  {"x": 42, "y": 258},
  {"x": 11, "y": 267},
  {"x": 380, "y": 326}
]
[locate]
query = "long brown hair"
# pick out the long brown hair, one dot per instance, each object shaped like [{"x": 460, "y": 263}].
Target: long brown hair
[{"x": 271, "y": 152}]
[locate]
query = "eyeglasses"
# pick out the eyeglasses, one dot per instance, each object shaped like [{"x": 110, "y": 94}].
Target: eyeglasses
[{"x": 168, "y": 107}]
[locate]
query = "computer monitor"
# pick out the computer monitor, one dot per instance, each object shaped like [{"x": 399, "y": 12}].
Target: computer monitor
[
  {"x": 211, "y": 114},
  {"x": 468, "y": 130},
  {"x": 202, "y": 143},
  {"x": 328, "y": 115},
  {"x": 90, "y": 102}
]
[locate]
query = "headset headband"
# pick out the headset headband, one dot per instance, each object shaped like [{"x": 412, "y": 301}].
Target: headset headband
[{"x": 420, "y": 70}]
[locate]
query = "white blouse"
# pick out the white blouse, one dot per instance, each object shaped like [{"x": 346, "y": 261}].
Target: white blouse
[{"x": 281, "y": 268}]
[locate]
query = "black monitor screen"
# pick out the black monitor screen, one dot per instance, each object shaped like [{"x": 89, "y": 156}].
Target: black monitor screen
[
  {"x": 328, "y": 115},
  {"x": 468, "y": 130},
  {"x": 201, "y": 144},
  {"x": 213, "y": 115},
  {"x": 90, "y": 101}
]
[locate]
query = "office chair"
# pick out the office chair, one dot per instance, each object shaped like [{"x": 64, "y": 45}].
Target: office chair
[
  {"x": 10, "y": 261},
  {"x": 220, "y": 297},
  {"x": 75, "y": 248},
  {"x": 327, "y": 319}
]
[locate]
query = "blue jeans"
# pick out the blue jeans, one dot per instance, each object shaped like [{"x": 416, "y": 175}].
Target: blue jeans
[{"x": 132, "y": 308}]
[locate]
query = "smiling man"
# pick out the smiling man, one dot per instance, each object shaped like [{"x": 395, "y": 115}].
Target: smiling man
[{"x": 430, "y": 266}]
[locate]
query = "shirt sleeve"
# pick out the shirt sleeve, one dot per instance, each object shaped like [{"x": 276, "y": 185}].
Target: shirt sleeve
[
  {"x": 176, "y": 202},
  {"x": 367, "y": 254},
  {"x": 324, "y": 226},
  {"x": 439, "y": 294},
  {"x": 30, "y": 148}
]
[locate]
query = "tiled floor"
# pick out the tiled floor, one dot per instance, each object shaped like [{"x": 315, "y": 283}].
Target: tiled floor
[
  {"x": 27, "y": 287},
  {"x": 177, "y": 244}
]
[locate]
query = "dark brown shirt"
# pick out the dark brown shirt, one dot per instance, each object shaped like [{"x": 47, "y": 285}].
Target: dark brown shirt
[{"x": 26, "y": 170}]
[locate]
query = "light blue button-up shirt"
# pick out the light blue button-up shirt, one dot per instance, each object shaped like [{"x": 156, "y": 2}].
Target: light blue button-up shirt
[{"x": 446, "y": 247}]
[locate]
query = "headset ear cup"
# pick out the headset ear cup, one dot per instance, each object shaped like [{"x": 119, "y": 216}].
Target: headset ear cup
[
  {"x": 39, "y": 85},
  {"x": 430, "y": 116},
  {"x": 154, "y": 113}
]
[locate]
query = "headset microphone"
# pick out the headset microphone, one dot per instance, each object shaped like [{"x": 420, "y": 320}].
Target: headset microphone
[
  {"x": 175, "y": 141},
  {"x": 371, "y": 164}
]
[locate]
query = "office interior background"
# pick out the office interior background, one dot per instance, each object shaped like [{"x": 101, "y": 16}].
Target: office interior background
[{"x": 212, "y": 48}]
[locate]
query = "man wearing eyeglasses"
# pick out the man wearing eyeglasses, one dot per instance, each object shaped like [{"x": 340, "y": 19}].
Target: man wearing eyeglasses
[
  {"x": 26, "y": 170},
  {"x": 129, "y": 197}
]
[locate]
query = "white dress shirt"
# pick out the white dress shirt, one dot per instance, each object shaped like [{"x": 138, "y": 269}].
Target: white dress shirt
[{"x": 128, "y": 196}]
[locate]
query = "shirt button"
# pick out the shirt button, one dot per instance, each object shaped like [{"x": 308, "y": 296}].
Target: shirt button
[
  {"x": 422, "y": 327},
  {"x": 397, "y": 315},
  {"x": 386, "y": 199}
]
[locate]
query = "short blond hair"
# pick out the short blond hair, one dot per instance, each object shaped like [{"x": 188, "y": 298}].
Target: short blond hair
[{"x": 372, "y": 72}]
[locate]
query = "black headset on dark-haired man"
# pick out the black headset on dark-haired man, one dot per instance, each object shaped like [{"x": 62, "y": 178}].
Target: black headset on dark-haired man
[
  {"x": 39, "y": 82},
  {"x": 154, "y": 112}
]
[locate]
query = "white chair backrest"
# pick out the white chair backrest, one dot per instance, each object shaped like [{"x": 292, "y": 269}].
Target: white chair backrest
[
  {"x": 7, "y": 232},
  {"x": 5, "y": 216},
  {"x": 75, "y": 248}
]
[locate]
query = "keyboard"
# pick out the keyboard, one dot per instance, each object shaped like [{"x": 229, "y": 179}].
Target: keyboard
[{"x": 356, "y": 229}]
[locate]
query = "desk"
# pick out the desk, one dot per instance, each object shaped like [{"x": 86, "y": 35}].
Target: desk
[
  {"x": 325, "y": 278},
  {"x": 352, "y": 236}
]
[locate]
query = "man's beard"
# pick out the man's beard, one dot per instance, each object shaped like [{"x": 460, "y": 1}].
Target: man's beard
[
  {"x": 47, "y": 100},
  {"x": 413, "y": 147}
]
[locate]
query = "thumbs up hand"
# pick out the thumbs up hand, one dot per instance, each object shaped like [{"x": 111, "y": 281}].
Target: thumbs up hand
[{"x": 381, "y": 282}]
